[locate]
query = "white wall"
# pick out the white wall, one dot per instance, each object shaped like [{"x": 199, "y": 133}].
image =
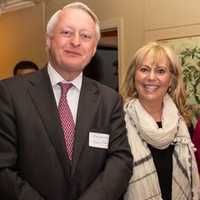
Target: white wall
[
  {"x": 22, "y": 38},
  {"x": 171, "y": 19}
]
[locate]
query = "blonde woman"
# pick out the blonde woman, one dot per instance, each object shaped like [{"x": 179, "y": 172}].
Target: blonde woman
[{"x": 157, "y": 116}]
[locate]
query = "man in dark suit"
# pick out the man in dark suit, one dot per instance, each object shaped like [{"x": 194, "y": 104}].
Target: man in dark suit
[
  {"x": 36, "y": 161},
  {"x": 24, "y": 67}
]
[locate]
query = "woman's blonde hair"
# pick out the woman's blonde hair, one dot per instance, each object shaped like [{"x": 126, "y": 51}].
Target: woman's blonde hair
[{"x": 176, "y": 89}]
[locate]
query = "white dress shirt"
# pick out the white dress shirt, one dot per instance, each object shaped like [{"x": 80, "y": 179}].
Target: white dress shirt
[{"x": 73, "y": 93}]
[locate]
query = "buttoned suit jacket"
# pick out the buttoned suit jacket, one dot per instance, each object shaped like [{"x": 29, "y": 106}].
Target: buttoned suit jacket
[{"x": 33, "y": 161}]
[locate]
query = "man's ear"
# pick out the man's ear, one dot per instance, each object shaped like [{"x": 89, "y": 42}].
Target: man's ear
[
  {"x": 94, "y": 50},
  {"x": 48, "y": 41}
]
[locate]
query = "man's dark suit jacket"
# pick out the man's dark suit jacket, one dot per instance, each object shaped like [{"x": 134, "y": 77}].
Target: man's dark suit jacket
[{"x": 33, "y": 160}]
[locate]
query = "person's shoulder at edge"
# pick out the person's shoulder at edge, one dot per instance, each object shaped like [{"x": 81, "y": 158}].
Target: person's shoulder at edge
[{"x": 15, "y": 80}]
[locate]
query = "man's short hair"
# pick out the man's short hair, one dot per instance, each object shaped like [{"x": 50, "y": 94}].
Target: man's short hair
[
  {"x": 24, "y": 65},
  {"x": 76, "y": 5}
]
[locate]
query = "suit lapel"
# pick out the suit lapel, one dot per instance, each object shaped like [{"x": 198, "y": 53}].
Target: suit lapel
[
  {"x": 88, "y": 103},
  {"x": 42, "y": 95}
]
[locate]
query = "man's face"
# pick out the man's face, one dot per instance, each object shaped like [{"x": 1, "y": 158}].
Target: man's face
[
  {"x": 73, "y": 42},
  {"x": 25, "y": 71}
]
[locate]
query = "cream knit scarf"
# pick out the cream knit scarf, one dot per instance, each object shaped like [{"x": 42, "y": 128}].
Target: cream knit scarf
[{"x": 142, "y": 129}]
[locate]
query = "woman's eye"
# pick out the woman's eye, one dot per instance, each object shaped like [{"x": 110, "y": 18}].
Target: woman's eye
[
  {"x": 161, "y": 71},
  {"x": 143, "y": 69}
]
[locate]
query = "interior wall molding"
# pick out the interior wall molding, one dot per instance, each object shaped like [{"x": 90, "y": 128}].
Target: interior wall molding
[
  {"x": 13, "y": 5},
  {"x": 172, "y": 32}
]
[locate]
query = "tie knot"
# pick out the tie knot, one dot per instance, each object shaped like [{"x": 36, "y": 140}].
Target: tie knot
[{"x": 65, "y": 87}]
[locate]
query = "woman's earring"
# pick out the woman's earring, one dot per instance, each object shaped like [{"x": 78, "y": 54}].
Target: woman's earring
[{"x": 169, "y": 90}]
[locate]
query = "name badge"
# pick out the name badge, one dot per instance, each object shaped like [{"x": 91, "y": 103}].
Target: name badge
[{"x": 98, "y": 140}]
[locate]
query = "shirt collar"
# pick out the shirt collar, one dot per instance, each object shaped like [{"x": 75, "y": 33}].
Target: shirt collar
[{"x": 55, "y": 78}]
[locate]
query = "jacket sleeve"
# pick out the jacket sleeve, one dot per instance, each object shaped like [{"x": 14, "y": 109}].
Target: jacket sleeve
[
  {"x": 12, "y": 185},
  {"x": 113, "y": 181}
]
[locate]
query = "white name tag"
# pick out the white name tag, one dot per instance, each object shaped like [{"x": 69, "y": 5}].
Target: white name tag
[{"x": 98, "y": 140}]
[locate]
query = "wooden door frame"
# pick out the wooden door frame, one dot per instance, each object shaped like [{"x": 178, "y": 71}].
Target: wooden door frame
[{"x": 116, "y": 24}]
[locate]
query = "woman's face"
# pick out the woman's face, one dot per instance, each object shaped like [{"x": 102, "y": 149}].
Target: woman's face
[{"x": 152, "y": 79}]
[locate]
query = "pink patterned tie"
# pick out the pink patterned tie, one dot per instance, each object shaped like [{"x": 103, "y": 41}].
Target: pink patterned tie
[{"x": 66, "y": 118}]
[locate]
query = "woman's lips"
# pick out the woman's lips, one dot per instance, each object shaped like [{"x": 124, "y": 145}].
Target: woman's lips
[{"x": 151, "y": 88}]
